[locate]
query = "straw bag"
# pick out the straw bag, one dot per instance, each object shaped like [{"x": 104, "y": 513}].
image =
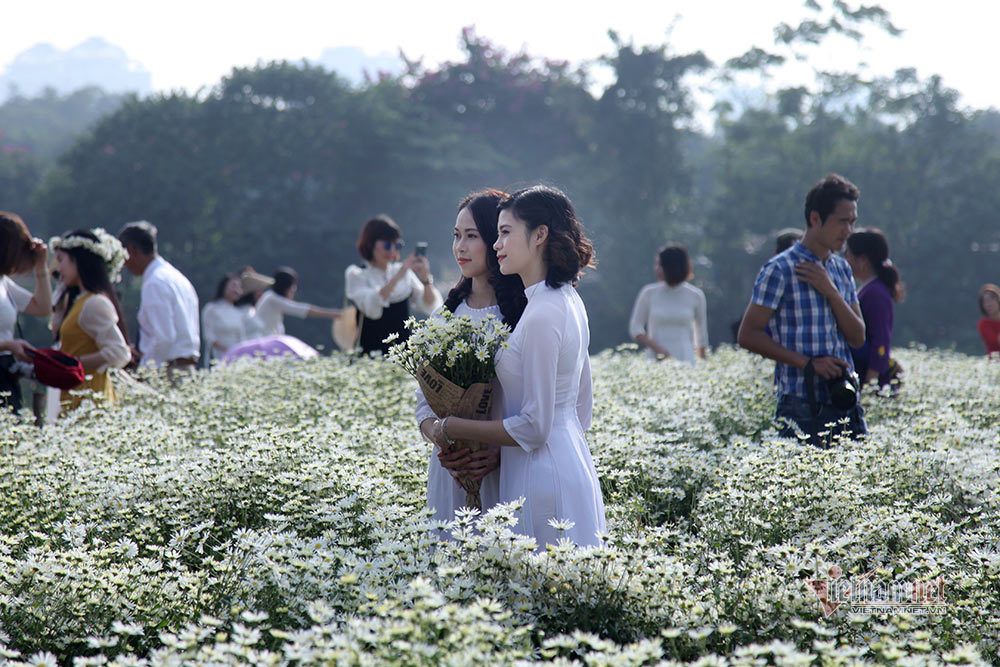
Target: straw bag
[{"x": 347, "y": 327}]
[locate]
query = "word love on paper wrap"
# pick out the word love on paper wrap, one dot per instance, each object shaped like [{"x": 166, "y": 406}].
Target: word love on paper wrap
[
  {"x": 452, "y": 358},
  {"x": 448, "y": 399}
]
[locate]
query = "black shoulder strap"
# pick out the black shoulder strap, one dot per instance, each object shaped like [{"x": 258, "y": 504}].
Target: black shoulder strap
[{"x": 811, "y": 387}]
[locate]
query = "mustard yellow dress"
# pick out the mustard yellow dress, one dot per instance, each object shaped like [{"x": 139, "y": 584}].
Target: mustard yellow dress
[{"x": 74, "y": 340}]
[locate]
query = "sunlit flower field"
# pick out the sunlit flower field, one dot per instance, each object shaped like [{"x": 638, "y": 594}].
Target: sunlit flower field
[{"x": 272, "y": 513}]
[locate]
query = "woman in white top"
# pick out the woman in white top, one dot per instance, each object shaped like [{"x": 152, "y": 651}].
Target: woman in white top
[
  {"x": 279, "y": 301},
  {"x": 669, "y": 315},
  {"x": 385, "y": 288},
  {"x": 482, "y": 291},
  {"x": 545, "y": 376},
  {"x": 225, "y": 322},
  {"x": 19, "y": 252},
  {"x": 91, "y": 324}
]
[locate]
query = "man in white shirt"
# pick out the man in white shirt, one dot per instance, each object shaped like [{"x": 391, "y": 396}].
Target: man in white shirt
[{"x": 168, "y": 313}]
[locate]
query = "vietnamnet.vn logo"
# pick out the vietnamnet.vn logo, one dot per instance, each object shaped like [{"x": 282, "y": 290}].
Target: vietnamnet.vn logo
[{"x": 866, "y": 594}]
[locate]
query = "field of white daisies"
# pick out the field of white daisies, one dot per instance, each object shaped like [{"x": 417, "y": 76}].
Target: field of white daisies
[{"x": 273, "y": 513}]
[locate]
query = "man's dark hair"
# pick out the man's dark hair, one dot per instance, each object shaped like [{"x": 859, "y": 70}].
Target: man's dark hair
[
  {"x": 823, "y": 196},
  {"x": 141, "y": 235}
]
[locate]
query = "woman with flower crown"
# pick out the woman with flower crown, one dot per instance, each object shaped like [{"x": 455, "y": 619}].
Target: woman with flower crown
[
  {"x": 91, "y": 324},
  {"x": 544, "y": 371},
  {"x": 482, "y": 291}
]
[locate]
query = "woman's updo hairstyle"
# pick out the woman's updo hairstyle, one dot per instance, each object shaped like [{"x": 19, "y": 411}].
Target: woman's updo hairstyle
[
  {"x": 508, "y": 289},
  {"x": 873, "y": 246},
  {"x": 567, "y": 250}
]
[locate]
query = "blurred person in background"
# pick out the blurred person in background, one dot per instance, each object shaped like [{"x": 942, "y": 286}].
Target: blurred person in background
[
  {"x": 809, "y": 291},
  {"x": 91, "y": 326},
  {"x": 169, "y": 332},
  {"x": 278, "y": 301},
  {"x": 384, "y": 288},
  {"x": 989, "y": 325},
  {"x": 225, "y": 319},
  {"x": 19, "y": 253},
  {"x": 669, "y": 316},
  {"x": 879, "y": 288}
]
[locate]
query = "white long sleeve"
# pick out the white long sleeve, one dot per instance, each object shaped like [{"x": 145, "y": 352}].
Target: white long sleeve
[
  {"x": 700, "y": 321},
  {"x": 539, "y": 364},
  {"x": 168, "y": 315},
  {"x": 362, "y": 285},
  {"x": 99, "y": 320},
  {"x": 639, "y": 322}
]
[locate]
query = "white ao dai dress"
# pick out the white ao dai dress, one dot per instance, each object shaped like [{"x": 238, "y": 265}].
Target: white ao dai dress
[
  {"x": 444, "y": 495},
  {"x": 548, "y": 402}
]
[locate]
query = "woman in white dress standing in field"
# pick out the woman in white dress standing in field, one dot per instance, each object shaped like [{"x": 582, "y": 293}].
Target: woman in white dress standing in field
[
  {"x": 545, "y": 376},
  {"x": 482, "y": 291},
  {"x": 669, "y": 315}
]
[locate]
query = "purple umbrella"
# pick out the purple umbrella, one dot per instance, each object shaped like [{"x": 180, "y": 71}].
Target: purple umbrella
[{"x": 270, "y": 346}]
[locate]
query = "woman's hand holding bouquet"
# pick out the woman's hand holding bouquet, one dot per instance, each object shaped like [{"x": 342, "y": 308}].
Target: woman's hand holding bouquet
[{"x": 453, "y": 361}]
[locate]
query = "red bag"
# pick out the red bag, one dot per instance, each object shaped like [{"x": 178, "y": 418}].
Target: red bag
[{"x": 56, "y": 369}]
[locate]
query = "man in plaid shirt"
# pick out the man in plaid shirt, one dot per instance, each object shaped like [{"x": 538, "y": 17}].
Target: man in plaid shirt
[{"x": 809, "y": 291}]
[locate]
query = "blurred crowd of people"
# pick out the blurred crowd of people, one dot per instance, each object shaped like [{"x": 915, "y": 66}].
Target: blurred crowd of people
[{"x": 245, "y": 317}]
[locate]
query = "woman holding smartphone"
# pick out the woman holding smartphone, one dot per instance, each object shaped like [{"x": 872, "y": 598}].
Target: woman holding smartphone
[
  {"x": 482, "y": 291},
  {"x": 384, "y": 288},
  {"x": 544, "y": 372}
]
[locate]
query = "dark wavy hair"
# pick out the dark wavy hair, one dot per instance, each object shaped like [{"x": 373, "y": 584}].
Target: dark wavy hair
[
  {"x": 509, "y": 290},
  {"x": 676, "y": 264},
  {"x": 94, "y": 277},
  {"x": 568, "y": 251},
  {"x": 873, "y": 246},
  {"x": 823, "y": 196}
]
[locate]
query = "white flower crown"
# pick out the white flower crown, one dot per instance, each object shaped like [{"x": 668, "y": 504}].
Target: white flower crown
[{"x": 107, "y": 247}]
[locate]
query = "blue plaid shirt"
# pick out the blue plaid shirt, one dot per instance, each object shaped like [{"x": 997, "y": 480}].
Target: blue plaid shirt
[{"x": 803, "y": 319}]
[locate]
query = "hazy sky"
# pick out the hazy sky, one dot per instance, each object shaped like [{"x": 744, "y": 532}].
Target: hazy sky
[{"x": 189, "y": 44}]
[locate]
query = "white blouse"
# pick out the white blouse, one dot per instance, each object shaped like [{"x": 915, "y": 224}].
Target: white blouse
[
  {"x": 675, "y": 317},
  {"x": 444, "y": 495},
  {"x": 99, "y": 320},
  {"x": 548, "y": 404},
  {"x": 225, "y": 324},
  {"x": 362, "y": 285},
  {"x": 271, "y": 310},
  {"x": 13, "y": 299}
]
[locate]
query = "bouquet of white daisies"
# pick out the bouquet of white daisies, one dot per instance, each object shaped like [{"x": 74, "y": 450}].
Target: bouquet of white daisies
[{"x": 452, "y": 358}]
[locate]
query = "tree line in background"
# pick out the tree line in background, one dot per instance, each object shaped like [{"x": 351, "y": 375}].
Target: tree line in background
[{"x": 281, "y": 164}]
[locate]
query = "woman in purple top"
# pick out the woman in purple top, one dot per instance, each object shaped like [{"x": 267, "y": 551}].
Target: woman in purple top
[{"x": 879, "y": 288}]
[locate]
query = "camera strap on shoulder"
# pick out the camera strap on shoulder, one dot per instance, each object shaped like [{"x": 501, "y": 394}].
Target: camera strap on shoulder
[{"x": 811, "y": 387}]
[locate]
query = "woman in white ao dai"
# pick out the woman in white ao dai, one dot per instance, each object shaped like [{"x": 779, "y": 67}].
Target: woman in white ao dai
[
  {"x": 545, "y": 375},
  {"x": 476, "y": 296}
]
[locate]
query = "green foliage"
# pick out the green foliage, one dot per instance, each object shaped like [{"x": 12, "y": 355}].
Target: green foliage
[{"x": 282, "y": 163}]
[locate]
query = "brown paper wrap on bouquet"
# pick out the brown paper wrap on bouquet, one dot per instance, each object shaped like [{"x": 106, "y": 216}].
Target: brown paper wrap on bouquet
[{"x": 447, "y": 399}]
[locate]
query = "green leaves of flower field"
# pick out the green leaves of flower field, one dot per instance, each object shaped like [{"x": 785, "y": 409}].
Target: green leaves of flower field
[{"x": 272, "y": 513}]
